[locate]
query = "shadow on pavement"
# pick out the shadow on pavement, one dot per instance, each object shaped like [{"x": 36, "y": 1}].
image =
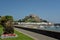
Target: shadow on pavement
[{"x": 44, "y": 32}]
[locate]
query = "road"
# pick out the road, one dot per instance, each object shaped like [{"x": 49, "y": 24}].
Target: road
[{"x": 34, "y": 35}]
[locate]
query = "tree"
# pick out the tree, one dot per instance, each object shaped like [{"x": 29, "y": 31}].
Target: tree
[
  {"x": 44, "y": 21},
  {"x": 19, "y": 20},
  {"x": 6, "y": 22},
  {"x": 0, "y": 19}
]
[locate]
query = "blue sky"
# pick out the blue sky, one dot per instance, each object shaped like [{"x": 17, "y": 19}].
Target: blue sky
[{"x": 45, "y": 9}]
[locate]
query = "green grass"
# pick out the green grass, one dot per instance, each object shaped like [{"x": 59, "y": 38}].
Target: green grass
[{"x": 20, "y": 36}]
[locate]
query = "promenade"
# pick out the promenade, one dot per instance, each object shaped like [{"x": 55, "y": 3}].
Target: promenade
[{"x": 36, "y": 36}]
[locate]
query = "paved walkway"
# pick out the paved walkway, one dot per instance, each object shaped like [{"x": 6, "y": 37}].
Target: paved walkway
[{"x": 34, "y": 35}]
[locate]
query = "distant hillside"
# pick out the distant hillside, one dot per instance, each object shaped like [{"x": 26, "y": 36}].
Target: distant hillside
[{"x": 32, "y": 18}]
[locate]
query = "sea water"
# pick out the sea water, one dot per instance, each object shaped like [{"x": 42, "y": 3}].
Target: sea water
[{"x": 52, "y": 28}]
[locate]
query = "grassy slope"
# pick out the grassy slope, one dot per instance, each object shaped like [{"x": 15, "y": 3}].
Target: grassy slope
[{"x": 20, "y": 36}]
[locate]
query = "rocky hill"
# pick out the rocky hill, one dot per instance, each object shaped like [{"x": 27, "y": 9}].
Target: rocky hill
[{"x": 32, "y": 18}]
